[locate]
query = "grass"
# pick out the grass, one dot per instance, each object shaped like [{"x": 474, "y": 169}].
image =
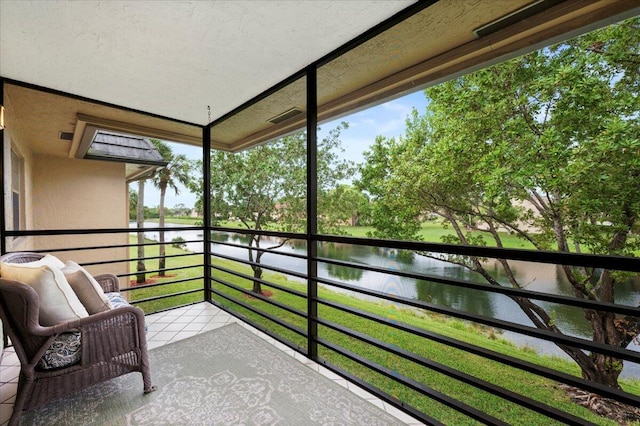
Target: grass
[
  {"x": 181, "y": 220},
  {"x": 430, "y": 231},
  {"x": 518, "y": 381},
  {"x": 193, "y": 274}
]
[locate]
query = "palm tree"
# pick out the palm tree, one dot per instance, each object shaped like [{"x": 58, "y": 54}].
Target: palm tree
[
  {"x": 176, "y": 171},
  {"x": 140, "y": 267}
]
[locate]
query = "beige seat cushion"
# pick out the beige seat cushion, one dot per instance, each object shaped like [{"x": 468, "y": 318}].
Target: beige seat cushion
[
  {"x": 58, "y": 302},
  {"x": 86, "y": 288}
]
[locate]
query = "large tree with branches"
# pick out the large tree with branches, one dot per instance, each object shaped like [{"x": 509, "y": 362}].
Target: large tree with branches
[
  {"x": 264, "y": 188},
  {"x": 545, "y": 146}
]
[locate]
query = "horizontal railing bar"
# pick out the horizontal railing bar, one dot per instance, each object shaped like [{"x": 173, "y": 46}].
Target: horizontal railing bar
[
  {"x": 457, "y": 405},
  {"x": 288, "y": 235},
  {"x": 507, "y": 291},
  {"x": 263, "y": 298},
  {"x": 468, "y": 379},
  {"x": 260, "y": 312},
  {"x": 164, "y": 296},
  {"x": 261, "y": 265},
  {"x": 158, "y": 243},
  {"x": 506, "y": 325},
  {"x": 111, "y": 246},
  {"x": 161, "y": 284},
  {"x": 135, "y": 259},
  {"x": 153, "y": 271},
  {"x": 621, "y": 263},
  {"x": 167, "y": 229},
  {"x": 260, "y": 280},
  {"x": 530, "y": 367},
  {"x": 261, "y": 249},
  {"x": 51, "y": 232}
]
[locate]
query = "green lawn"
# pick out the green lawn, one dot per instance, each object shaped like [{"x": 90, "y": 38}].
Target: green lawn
[
  {"x": 191, "y": 221},
  {"x": 431, "y": 231},
  {"x": 194, "y": 272},
  {"x": 510, "y": 378}
]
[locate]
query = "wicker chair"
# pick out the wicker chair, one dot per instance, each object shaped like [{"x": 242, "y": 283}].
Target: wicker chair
[{"x": 113, "y": 343}]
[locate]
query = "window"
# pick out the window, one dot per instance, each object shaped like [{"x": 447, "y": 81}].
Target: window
[{"x": 16, "y": 188}]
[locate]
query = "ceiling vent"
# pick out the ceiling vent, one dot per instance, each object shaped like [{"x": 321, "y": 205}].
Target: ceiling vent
[
  {"x": 285, "y": 115},
  {"x": 513, "y": 17},
  {"x": 65, "y": 136}
]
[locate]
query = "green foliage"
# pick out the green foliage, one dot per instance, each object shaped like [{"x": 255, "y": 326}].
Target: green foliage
[
  {"x": 179, "y": 243},
  {"x": 345, "y": 205},
  {"x": 265, "y": 187},
  {"x": 176, "y": 171},
  {"x": 545, "y": 146}
]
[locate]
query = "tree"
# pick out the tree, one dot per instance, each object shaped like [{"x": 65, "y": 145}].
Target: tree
[
  {"x": 544, "y": 146},
  {"x": 180, "y": 210},
  {"x": 176, "y": 171},
  {"x": 345, "y": 205},
  {"x": 140, "y": 266},
  {"x": 265, "y": 188}
]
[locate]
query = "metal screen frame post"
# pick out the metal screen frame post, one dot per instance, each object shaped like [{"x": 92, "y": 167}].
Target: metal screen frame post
[
  {"x": 206, "y": 210},
  {"x": 312, "y": 213},
  {"x": 3, "y": 223}
]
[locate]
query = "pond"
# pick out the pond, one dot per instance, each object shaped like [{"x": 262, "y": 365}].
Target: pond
[{"x": 534, "y": 276}]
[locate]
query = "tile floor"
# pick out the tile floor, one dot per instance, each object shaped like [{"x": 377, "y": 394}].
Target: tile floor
[{"x": 170, "y": 326}]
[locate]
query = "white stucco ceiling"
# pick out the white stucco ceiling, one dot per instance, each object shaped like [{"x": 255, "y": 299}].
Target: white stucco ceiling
[{"x": 175, "y": 58}]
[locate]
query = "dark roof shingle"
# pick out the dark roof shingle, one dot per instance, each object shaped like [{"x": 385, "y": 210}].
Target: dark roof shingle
[{"x": 126, "y": 148}]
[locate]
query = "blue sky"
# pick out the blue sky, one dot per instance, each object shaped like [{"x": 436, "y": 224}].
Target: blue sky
[{"x": 386, "y": 119}]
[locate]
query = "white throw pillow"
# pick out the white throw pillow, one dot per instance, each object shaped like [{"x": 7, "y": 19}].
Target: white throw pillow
[
  {"x": 86, "y": 288},
  {"x": 58, "y": 302}
]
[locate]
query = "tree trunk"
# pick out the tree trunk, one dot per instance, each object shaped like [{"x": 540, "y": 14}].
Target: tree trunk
[
  {"x": 161, "y": 260},
  {"x": 140, "y": 268},
  {"x": 257, "y": 273},
  {"x": 257, "y": 270},
  {"x": 606, "y": 328}
]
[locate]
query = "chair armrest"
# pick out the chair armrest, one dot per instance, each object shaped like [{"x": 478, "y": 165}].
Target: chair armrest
[
  {"x": 103, "y": 335},
  {"x": 108, "y": 282},
  {"x": 108, "y": 334}
]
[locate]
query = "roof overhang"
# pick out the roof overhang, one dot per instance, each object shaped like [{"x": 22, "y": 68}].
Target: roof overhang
[
  {"x": 436, "y": 44},
  {"x": 430, "y": 41}
]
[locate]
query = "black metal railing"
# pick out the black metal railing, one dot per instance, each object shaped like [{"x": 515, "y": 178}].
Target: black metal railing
[
  {"x": 381, "y": 339},
  {"x": 183, "y": 280},
  {"x": 338, "y": 335}
]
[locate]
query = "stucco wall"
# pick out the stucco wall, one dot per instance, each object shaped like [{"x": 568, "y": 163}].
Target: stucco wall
[
  {"x": 13, "y": 140},
  {"x": 81, "y": 194}
]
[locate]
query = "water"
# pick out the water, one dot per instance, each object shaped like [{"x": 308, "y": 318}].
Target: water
[{"x": 535, "y": 276}]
